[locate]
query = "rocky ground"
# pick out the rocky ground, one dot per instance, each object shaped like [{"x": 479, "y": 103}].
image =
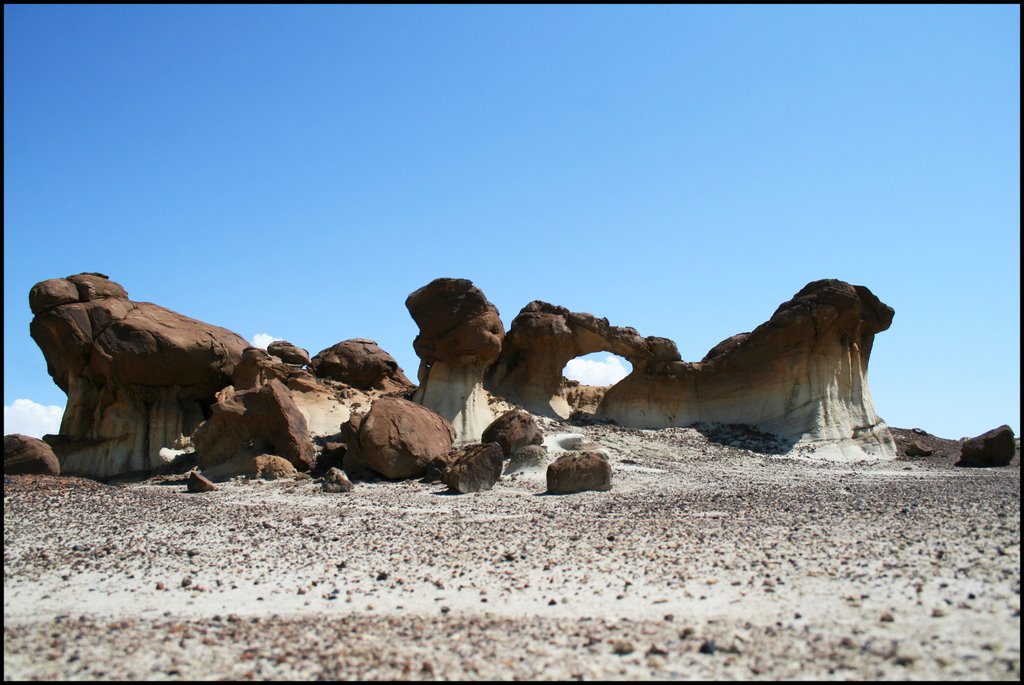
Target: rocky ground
[{"x": 711, "y": 558}]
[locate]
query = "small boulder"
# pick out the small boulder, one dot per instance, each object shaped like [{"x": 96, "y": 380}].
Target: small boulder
[
  {"x": 475, "y": 468},
  {"x": 512, "y": 430},
  {"x": 273, "y": 467},
  {"x": 360, "y": 363},
  {"x": 336, "y": 481},
  {"x": 24, "y": 454},
  {"x": 579, "y": 471},
  {"x": 994, "y": 448},
  {"x": 398, "y": 438},
  {"x": 199, "y": 483},
  {"x": 916, "y": 449},
  {"x": 288, "y": 353}
]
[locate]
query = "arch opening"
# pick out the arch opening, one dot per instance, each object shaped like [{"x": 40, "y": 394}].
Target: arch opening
[{"x": 586, "y": 379}]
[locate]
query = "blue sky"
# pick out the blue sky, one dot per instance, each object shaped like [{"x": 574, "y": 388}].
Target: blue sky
[{"x": 298, "y": 171}]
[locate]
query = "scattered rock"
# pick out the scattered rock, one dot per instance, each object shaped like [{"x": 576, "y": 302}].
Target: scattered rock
[
  {"x": 288, "y": 353},
  {"x": 993, "y": 448},
  {"x": 398, "y": 438},
  {"x": 360, "y": 363},
  {"x": 529, "y": 458},
  {"x": 577, "y": 472},
  {"x": 512, "y": 430},
  {"x": 336, "y": 481},
  {"x": 475, "y": 468},
  {"x": 199, "y": 483}
]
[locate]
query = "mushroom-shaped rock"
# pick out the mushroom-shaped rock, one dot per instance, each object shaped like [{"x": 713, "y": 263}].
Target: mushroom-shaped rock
[
  {"x": 802, "y": 376},
  {"x": 289, "y": 353},
  {"x": 398, "y": 439},
  {"x": 24, "y": 454},
  {"x": 138, "y": 376},
  {"x": 362, "y": 364},
  {"x": 992, "y": 448},
  {"x": 544, "y": 337},
  {"x": 474, "y": 468},
  {"x": 252, "y": 421},
  {"x": 512, "y": 430},
  {"x": 460, "y": 336},
  {"x": 579, "y": 471}
]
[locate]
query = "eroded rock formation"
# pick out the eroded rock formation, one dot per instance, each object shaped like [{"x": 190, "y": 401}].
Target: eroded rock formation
[
  {"x": 360, "y": 363},
  {"x": 139, "y": 377},
  {"x": 801, "y": 375},
  {"x": 460, "y": 337},
  {"x": 397, "y": 439},
  {"x": 25, "y": 454}
]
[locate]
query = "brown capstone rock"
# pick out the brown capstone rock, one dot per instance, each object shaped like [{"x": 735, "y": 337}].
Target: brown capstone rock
[
  {"x": 460, "y": 335},
  {"x": 512, "y": 430},
  {"x": 579, "y": 471},
  {"x": 360, "y": 363},
  {"x": 288, "y": 353},
  {"x": 992, "y": 448},
  {"x": 138, "y": 376},
  {"x": 24, "y": 454},
  {"x": 474, "y": 468},
  {"x": 398, "y": 438}
]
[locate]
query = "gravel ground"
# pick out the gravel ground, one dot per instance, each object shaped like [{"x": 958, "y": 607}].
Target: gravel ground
[{"x": 708, "y": 559}]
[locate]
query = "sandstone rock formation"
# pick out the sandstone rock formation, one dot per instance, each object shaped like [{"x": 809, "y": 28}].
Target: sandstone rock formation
[
  {"x": 288, "y": 353},
  {"x": 579, "y": 471},
  {"x": 474, "y": 468},
  {"x": 398, "y": 438},
  {"x": 512, "y": 430},
  {"x": 360, "y": 363},
  {"x": 544, "y": 337},
  {"x": 460, "y": 336},
  {"x": 139, "y": 377},
  {"x": 24, "y": 454},
  {"x": 992, "y": 448},
  {"x": 801, "y": 375}
]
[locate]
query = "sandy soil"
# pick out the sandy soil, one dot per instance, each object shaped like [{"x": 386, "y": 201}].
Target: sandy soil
[{"x": 704, "y": 561}]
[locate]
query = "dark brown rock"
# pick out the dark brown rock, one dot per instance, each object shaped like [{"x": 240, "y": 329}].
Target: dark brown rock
[
  {"x": 398, "y": 438},
  {"x": 24, "y": 454},
  {"x": 916, "y": 449},
  {"x": 138, "y": 377},
  {"x": 474, "y": 468},
  {"x": 336, "y": 481},
  {"x": 332, "y": 455},
  {"x": 512, "y": 430},
  {"x": 254, "y": 421},
  {"x": 457, "y": 323},
  {"x": 288, "y": 353},
  {"x": 360, "y": 363},
  {"x": 993, "y": 448},
  {"x": 579, "y": 471},
  {"x": 199, "y": 483}
]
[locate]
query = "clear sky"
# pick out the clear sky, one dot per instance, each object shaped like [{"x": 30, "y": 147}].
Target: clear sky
[{"x": 298, "y": 171}]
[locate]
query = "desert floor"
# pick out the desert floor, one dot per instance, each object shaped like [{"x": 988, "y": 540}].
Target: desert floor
[{"x": 705, "y": 561}]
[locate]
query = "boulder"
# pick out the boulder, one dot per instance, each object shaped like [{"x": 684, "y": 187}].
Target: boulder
[
  {"x": 579, "y": 471},
  {"x": 475, "y": 468},
  {"x": 512, "y": 430},
  {"x": 253, "y": 421},
  {"x": 336, "y": 481},
  {"x": 916, "y": 449},
  {"x": 288, "y": 353},
  {"x": 248, "y": 465},
  {"x": 398, "y": 438},
  {"x": 138, "y": 376},
  {"x": 24, "y": 454},
  {"x": 360, "y": 363},
  {"x": 992, "y": 448},
  {"x": 199, "y": 483},
  {"x": 460, "y": 335}
]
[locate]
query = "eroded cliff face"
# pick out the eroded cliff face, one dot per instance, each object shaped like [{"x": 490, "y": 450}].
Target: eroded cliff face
[
  {"x": 460, "y": 336},
  {"x": 802, "y": 375},
  {"x": 139, "y": 377}
]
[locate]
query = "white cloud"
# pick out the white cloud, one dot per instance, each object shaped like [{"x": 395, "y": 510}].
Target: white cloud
[
  {"x": 261, "y": 340},
  {"x": 596, "y": 372},
  {"x": 31, "y": 418}
]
